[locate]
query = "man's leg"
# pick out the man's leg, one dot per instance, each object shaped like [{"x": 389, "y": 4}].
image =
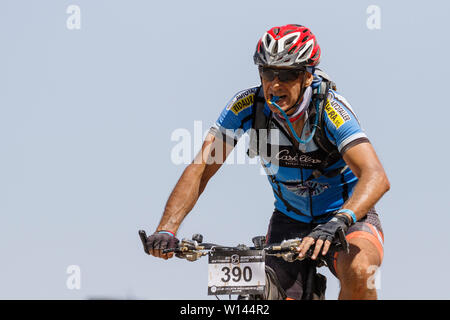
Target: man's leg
[{"x": 355, "y": 269}]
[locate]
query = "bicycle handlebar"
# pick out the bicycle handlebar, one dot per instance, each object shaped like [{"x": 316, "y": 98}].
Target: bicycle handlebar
[{"x": 193, "y": 249}]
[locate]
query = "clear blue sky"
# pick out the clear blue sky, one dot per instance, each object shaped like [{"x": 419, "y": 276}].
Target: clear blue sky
[{"x": 86, "y": 118}]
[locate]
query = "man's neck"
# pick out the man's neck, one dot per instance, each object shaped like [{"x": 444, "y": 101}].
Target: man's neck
[
  {"x": 298, "y": 127},
  {"x": 295, "y": 107}
]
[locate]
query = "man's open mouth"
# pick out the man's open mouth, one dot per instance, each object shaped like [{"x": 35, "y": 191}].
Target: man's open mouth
[{"x": 280, "y": 98}]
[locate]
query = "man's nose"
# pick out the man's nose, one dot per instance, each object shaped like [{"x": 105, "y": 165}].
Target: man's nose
[{"x": 275, "y": 83}]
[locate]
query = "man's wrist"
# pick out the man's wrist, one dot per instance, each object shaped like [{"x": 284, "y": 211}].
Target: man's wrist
[
  {"x": 349, "y": 214},
  {"x": 345, "y": 218},
  {"x": 166, "y": 232}
]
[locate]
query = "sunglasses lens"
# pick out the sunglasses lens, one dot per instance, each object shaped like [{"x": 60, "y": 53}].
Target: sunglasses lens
[
  {"x": 288, "y": 75},
  {"x": 268, "y": 74},
  {"x": 283, "y": 75}
]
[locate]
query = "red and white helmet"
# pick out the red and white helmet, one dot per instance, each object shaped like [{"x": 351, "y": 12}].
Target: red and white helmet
[{"x": 291, "y": 45}]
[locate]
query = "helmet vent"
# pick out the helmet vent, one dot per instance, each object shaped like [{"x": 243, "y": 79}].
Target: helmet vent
[
  {"x": 268, "y": 40},
  {"x": 275, "y": 47},
  {"x": 288, "y": 31},
  {"x": 316, "y": 54},
  {"x": 288, "y": 42}
]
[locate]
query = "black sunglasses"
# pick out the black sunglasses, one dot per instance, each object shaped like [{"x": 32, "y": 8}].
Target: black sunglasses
[{"x": 285, "y": 75}]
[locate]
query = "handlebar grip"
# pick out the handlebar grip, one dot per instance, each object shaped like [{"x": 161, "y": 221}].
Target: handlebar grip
[
  {"x": 143, "y": 236},
  {"x": 170, "y": 250}
]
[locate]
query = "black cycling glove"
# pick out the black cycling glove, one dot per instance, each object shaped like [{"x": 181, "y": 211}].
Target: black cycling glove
[
  {"x": 161, "y": 241},
  {"x": 327, "y": 231}
]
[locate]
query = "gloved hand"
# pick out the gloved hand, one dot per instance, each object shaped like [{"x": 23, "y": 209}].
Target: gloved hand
[
  {"x": 323, "y": 235},
  {"x": 327, "y": 231},
  {"x": 159, "y": 241}
]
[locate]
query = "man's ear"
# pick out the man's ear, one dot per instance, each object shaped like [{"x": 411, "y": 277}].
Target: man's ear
[{"x": 308, "y": 79}]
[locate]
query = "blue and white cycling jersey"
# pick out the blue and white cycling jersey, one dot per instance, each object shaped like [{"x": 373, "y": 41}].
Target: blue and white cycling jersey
[{"x": 297, "y": 193}]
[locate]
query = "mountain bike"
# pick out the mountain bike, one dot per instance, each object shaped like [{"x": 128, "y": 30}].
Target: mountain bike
[{"x": 240, "y": 270}]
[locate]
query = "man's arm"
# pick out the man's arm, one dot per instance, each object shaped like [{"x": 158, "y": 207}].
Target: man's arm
[
  {"x": 191, "y": 184},
  {"x": 372, "y": 184},
  {"x": 372, "y": 180}
]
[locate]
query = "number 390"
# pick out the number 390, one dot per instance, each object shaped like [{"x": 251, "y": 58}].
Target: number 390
[{"x": 237, "y": 273}]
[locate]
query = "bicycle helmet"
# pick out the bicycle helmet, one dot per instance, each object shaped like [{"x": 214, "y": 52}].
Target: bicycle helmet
[{"x": 291, "y": 45}]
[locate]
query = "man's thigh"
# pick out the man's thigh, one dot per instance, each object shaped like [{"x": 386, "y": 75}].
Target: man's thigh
[
  {"x": 365, "y": 240},
  {"x": 360, "y": 264}
]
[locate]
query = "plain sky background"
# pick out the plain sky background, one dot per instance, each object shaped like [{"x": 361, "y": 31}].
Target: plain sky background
[{"x": 86, "y": 118}]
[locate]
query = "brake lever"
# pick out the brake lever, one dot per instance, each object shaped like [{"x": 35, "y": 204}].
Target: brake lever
[
  {"x": 343, "y": 241},
  {"x": 188, "y": 249},
  {"x": 285, "y": 250}
]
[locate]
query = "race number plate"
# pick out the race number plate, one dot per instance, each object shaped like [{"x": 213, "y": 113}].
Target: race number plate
[{"x": 236, "y": 272}]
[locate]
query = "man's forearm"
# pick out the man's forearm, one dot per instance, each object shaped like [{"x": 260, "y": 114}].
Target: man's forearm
[
  {"x": 193, "y": 181},
  {"x": 368, "y": 190},
  {"x": 183, "y": 198}
]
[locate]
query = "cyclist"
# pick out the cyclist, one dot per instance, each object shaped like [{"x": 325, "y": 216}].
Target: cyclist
[{"x": 318, "y": 189}]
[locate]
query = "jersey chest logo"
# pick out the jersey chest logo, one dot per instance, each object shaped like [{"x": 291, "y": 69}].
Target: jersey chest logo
[
  {"x": 308, "y": 187},
  {"x": 289, "y": 157}
]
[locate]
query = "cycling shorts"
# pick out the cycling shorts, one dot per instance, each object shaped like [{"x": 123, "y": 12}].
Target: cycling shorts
[{"x": 291, "y": 275}]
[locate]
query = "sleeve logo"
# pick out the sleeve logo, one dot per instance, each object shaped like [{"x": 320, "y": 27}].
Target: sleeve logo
[
  {"x": 336, "y": 113},
  {"x": 242, "y": 101}
]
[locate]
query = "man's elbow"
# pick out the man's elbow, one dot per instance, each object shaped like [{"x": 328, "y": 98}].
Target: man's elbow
[
  {"x": 384, "y": 181},
  {"x": 377, "y": 177}
]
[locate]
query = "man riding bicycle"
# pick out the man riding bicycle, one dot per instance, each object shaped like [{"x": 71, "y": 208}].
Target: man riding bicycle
[{"x": 325, "y": 174}]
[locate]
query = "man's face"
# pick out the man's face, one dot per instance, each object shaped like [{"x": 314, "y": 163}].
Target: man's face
[{"x": 288, "y": 91}]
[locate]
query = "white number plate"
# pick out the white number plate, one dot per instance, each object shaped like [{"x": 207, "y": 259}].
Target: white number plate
[{"x": 236, "y": 272}]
